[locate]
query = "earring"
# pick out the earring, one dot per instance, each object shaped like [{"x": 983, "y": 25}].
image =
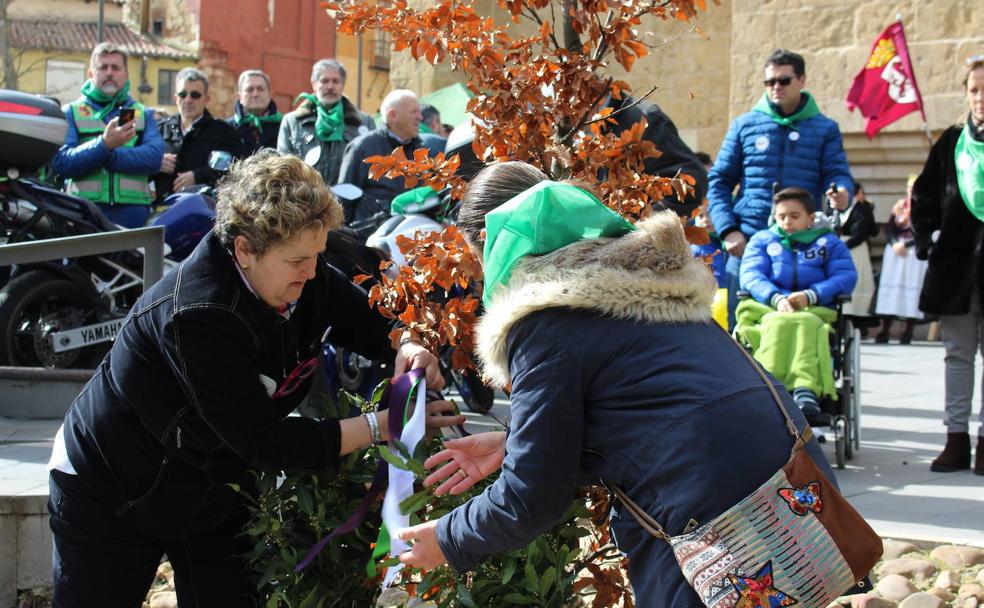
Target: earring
[{"x": 244, "y": 266}]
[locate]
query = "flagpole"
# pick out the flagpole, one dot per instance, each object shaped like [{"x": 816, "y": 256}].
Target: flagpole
[{"x": 922, "y": 112}]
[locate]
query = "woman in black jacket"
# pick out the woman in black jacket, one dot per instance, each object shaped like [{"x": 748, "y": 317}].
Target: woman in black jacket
[
  {"x": 947, "y": 214},
  {"x": 196, "y": 391}
]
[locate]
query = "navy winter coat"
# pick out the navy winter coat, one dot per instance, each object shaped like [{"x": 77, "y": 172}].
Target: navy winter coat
[
  {"x": 825, "y": 266},
  {"x": 619, "y": 374},
  {"x": 757, "y": 152}
]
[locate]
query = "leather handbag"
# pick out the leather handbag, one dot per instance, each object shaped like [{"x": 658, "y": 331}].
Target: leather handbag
[{"x": 793, "y": 541}]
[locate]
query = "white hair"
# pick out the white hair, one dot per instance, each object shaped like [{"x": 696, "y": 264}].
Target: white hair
[{"x": 393, "y": 99}]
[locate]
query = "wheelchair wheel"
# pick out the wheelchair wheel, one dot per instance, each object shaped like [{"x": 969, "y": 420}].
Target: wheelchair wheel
[
  {"x": 840, "y": 440},
  {"x": 847, "y": 394},
  {"x": 855, "y": 362}
]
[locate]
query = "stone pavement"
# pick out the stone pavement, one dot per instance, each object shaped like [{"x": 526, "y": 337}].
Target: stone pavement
[{"x": 888, "y": 480}]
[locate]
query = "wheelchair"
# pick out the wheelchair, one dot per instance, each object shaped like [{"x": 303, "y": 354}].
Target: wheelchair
[{"x": 843, "y": 415}]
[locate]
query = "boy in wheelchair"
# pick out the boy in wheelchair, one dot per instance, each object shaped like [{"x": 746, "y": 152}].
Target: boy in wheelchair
[{"x": 794, "y": 274}]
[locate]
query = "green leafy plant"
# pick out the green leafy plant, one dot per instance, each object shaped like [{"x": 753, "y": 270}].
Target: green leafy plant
[{"x": 290, "y": 512}]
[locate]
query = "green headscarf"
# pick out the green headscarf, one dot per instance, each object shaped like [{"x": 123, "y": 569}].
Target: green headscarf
[
  {"x": 331, "y": 121},
  {"x": 803, "y": 236},
  {"x": 109, "y": 102},
  {"x": 809, "y": 110},
  {"x": 539, "y": 220},
  {"x": 969, "y": 158}
]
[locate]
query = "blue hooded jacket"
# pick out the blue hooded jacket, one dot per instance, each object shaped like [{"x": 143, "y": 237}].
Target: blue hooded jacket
[
  {"x": 824, "y": 266},
  {"x": 758, "y": 152}
]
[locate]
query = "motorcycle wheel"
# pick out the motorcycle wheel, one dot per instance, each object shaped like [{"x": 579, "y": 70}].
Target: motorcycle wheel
[
  {"x": 33, "y": 306},
  {"x": 477, "y": 396}
]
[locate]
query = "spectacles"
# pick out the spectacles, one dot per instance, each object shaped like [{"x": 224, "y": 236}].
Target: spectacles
[
  {"x": 194, "y": 94},
  {"x": 771, "y": 82}
]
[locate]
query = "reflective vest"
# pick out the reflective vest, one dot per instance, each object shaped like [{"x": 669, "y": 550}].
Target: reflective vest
[{"x": 103, "y": 185}]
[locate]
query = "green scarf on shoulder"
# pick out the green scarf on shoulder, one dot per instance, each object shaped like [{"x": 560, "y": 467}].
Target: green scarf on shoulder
[
  {"x": 809, "y": 110},
  {"x": 109, "y": 102},
  {"x": 804, "y": 237},
  {"x": 969, "y": 158},
  {"x": 331, "y": 121}
]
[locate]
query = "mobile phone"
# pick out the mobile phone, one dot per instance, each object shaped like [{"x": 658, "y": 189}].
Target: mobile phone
[{"x": 126, "y": 115}]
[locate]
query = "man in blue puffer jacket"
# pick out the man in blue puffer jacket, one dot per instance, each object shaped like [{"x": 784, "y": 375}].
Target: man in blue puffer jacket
[
  {"x": 784, "y": 141},
  {"x": 792, "y": 268}
]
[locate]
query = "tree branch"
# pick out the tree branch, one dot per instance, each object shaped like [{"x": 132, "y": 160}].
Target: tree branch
[
  {"x": 572, "y": 41},
  {"x": 634, "y": 103}
]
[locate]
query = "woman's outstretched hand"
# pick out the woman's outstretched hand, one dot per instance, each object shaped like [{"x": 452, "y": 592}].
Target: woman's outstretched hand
[
  {"x": 466, "y": 461},
  {"x": 425, "y": 551}
]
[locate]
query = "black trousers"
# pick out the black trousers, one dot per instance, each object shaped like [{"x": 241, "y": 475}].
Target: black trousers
[{"x": 101, "y": 560}]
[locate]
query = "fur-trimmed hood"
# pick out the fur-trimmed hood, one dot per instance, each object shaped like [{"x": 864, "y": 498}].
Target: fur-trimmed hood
[{"x": 647, "y": 275}]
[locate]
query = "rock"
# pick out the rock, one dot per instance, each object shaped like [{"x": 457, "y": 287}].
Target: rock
[
  {"x": 893, "y": 549},
  {"x": 894, "y": 587},
  {"x": 970, "y": 602},
  {"x": 948, "y": 579},
  {"x": 943, "y": 594},
  {"x": 164, "y": 599},
  {"x": 909, "y": 567},
  {"x": 958, "y": 557},
  {"x": 970, "y": 590},
  {"x": 980, "y": 576},
  {"x": 922, "y": 600},
  {"x": 870, "y": 600}
]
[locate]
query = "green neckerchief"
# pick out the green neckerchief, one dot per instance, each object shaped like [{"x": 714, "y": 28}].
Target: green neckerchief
[
  {"x": 330, "y": 125},
  {"x": 425, "y": 129},
  {"x": 257, "y": 122},
  {"x": 803, "y": 236},
  {"x": 108, "y": 102},
  {"x": 809, "y": 110},
  {"x": 969, "y": 158},
  {"x": 541, "y": 219}
]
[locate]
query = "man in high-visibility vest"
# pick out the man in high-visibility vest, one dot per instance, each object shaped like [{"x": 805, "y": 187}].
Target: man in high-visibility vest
[{"x": 108, "y": 155}]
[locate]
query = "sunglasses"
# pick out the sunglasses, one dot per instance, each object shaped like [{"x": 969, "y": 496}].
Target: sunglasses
[
  {"x": 771, "y": 82},
  {"x": 194, "y": 94}
]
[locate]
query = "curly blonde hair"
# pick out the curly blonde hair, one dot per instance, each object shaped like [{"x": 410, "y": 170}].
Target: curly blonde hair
[{"x": 269, "y": 199}]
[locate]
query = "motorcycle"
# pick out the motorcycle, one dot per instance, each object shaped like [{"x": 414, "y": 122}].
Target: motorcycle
[
  {"x": 64, "y": 313},
  {"x": 417, "y": 212}
]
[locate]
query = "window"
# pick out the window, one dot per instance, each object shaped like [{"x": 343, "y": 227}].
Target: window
[
  {"x": 63, "y": 79},
  {"x": 381, "y": 44},
  {"x": 157, "y": 27},
  {"x": 165, "y": 87}
]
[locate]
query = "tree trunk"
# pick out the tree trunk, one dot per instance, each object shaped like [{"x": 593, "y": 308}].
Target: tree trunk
[{"x": 9, "y": 80}]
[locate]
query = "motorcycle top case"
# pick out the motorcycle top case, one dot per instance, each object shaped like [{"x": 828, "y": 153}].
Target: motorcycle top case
[{"x": 32, "y": 129}]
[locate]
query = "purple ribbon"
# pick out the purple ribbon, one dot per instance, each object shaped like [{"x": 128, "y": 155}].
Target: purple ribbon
[{"x": 399, "y": 393}]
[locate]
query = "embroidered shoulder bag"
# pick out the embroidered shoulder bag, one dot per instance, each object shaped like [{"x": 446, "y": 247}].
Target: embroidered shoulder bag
[{"x": 793, "y": 541}]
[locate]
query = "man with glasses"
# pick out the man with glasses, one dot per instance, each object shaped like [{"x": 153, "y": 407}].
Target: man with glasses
[
  {"x": 112, "y": 144},
  {"x": 190, "y": 136},
  {"x": 783, "y": 142}
]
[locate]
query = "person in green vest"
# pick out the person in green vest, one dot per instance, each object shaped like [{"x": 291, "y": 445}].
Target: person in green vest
[{"x": 107, "y": 158}]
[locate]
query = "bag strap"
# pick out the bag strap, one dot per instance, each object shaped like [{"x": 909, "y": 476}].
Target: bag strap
[{"x": 646, "y": 520}]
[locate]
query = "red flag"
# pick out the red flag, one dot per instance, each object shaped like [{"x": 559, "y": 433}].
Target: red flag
[{"x": 885, "y": 89}]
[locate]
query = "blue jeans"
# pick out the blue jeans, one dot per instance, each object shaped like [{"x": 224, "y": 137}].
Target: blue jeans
[
  {"x": 128, "y": 216},
  {"x": 98, "y": 555}
]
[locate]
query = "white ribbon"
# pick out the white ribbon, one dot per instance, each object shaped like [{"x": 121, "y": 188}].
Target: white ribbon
[{"x": 401, "y": 482}]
